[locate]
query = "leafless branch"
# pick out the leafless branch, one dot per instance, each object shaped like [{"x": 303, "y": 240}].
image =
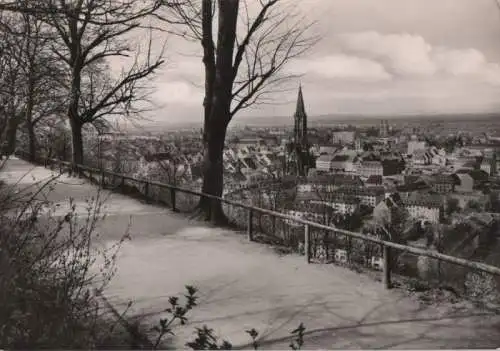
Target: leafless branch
[
  {"x": 274, "y": 38},
  {"x": 269, "y": 36}
]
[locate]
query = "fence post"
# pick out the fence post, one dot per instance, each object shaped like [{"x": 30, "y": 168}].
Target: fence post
[
  {"x": 122, "y": 183},
  {"x": 307, "y": 243},
  {"x": 250, "y": 225},
  {"x": 172, "y": 199},
  {"x": 387, "y": 267}
]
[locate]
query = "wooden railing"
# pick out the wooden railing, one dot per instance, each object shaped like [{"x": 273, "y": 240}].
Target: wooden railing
[{"x": 387, "y": 246}]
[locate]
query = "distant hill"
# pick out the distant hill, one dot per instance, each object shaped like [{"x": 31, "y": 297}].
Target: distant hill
[
  {"x": 362, "y": 119},
  {"x": 330, "y": 119}
]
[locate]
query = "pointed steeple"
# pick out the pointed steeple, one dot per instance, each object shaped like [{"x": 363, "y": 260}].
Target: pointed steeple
[
  {"x": 300, "y": 134},
  {"x": 300, "y": 110}
]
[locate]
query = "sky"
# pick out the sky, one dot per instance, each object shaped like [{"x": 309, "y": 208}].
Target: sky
[{"x": 375, "y": 57}]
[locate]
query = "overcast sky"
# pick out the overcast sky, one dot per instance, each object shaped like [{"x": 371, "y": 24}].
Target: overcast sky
[{"x": 375, "y": 57}]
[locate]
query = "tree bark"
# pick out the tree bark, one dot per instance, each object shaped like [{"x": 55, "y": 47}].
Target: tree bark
[
  {"x": 29, "y": 122},
  {"x": 220, "y": 111},
  {"x": 75, "y": 121},
  {"x": 76, "y": 141},
  {"x": 208, "y": 61},
  {"x": 10, "y": 137},
  {"x": 213, "y": 174}
]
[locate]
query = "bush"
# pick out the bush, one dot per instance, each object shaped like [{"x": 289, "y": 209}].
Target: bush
[
  {"x": 205, "y": 337},
  {"x": 483, "y": 287},
  {"x": 46, "y": 278}
]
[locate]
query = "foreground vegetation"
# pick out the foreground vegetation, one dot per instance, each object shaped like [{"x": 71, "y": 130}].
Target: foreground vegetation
[{"x": 51, "y": 294}]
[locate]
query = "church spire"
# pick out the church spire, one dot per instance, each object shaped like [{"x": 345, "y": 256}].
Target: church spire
[
  {"x": 300, "y": 133},
  {"x": 300, "y": 110}
]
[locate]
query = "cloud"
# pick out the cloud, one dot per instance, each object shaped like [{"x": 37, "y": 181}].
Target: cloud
[
  {"x": 342, "y": 66},
  {"x": 177, "y": 92},
  {"x": 407, "y": 55}
]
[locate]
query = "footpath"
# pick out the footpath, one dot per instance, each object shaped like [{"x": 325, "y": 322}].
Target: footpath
[{"x": 245, "y": 285}]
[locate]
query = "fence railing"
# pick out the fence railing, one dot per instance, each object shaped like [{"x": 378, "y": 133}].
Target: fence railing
[{"x": 316, "y": 239}]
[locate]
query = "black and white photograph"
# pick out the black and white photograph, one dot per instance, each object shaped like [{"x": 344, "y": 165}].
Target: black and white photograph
[{"x": 249, "y": 174}]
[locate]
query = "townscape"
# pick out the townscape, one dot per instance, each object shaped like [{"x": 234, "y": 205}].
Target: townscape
[
  {"x": 175, "y": 172},
  {"x": 440, "y": 176}
]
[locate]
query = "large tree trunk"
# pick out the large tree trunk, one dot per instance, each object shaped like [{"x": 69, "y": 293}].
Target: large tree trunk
[
  {"x": 220, "y": 111},
  {"x": 73, "y": 116},
  {"x": 10, "y": 136},
  {"x": 213, "y": 173},
  {"x": 76, "y": 141},
  {"x": 208, "y": 62}
]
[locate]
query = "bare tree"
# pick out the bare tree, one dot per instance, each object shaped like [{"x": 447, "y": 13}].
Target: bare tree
[
  {"x": 89, "y": 33},
  {"x": 11, "y": 82},
  {"x": 39, "y": 73},
  {"x": 243, "y": 64},
  {"x": 170, "y": 164}
]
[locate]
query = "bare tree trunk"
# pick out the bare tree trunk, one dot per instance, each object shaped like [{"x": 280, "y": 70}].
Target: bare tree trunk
[
  {"x": 213, "y": 174},
  {"x": 74, "y": 118},
  {"x": 29, "y": 123},
  {"x": 208, "y": 61},
  {"x": 220, "y": 114},
  {"x": 76, "y": 141},
  {"x": 10, "y": 136}
]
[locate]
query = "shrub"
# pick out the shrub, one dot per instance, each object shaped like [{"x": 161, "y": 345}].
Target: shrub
[{"x": 46, "y": 277}]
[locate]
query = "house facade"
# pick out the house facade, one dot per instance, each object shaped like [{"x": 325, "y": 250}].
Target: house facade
[{"x": 370, "y": 168}]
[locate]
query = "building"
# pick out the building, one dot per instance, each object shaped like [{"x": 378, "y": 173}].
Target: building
[
  {"x": 300, "y": 143},
  {"x": 486, "y": 166},
  {"x": 464, "y": 183},
  {"x": 367, "y": 196},
  {"x": 327, "y": 183},
  {"x": 357, "y": 145},
  {"x": 382, "y": 213},
  {"x": 343, "y": 163},
  {"x": 374, "y": 180},
  {"x": 414, "y": 144},
  {"x": 384, "y": 128},
  {"x": 342, "y": 204},
  {"x": 370, "y": 168},
  {"x": 421, "y": 157},
  {"x": 443, "y": 183},
  {"x": 343, "y": 137},
  {"x": 300, "y": 120},
  {"x": 314, "y": 212},
  {"x": 327, "y": 149},
  {"x": 489, "y": 166},
  {"x": 247, "y": 142},
  {"x": 437, "y": 156},
  {"x": 424, "y": 206},
  {"x": 324, "y": 163}
]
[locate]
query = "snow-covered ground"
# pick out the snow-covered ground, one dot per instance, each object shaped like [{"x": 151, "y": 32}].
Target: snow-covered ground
[{"x": 247, "y": 285}]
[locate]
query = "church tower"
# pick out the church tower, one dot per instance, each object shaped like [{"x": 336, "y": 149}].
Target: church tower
[
  {"x": 300, "y": 146},
  {"x": 300, "y": 118}
]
